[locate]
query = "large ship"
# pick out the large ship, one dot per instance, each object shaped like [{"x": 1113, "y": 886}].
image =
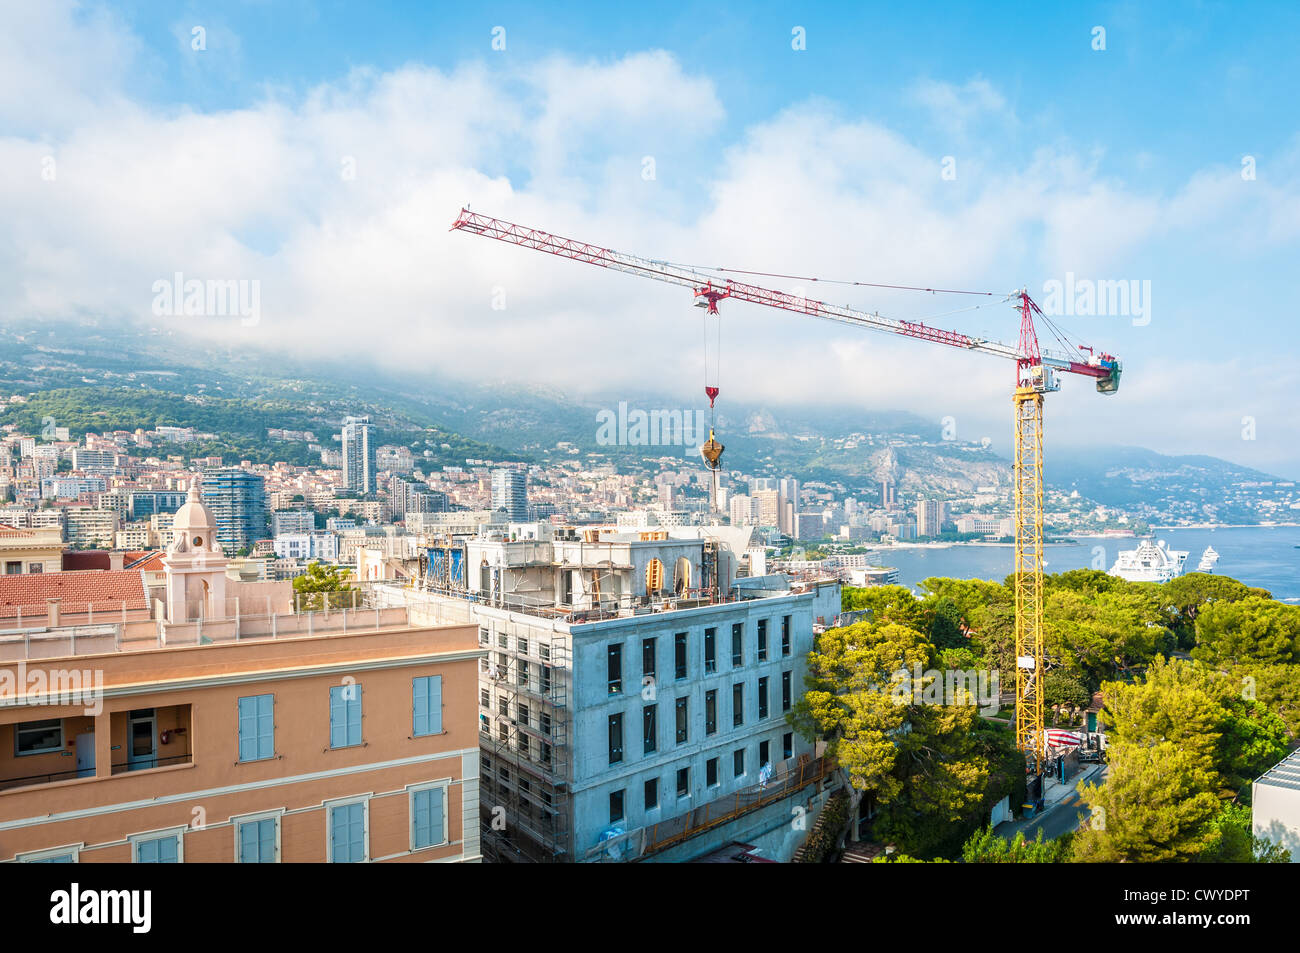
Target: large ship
[
  {"x": 1149, "y": 563},
  {"x": 1208, "y": 559}
]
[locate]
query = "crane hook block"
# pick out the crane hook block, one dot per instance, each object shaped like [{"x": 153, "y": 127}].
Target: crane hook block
[
  {"x": 712, "y": 393},
  {"x": 711, "y": 451}
]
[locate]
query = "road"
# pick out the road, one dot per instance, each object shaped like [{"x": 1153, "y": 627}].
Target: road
[{"x": 1060, "y": 818}]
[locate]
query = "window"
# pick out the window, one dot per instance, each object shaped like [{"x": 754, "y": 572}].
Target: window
[
  {"x": 710, "y": 711},
  {"x": 257, "y": 840},
  {"x": 503, "y": 706},
  {"x": 522, "y": 714},
  {"x": 738, "y": 762},
  {"x": 615, "y": 738},
  {"x": 59, "y": 855},
  {"x": 615, "y": 807},
  {"x": 737, "y": 704},
  {"x": 683, "y": 782},
  {"x": 503, "y": 731},
  {"x": 521, "y": 644},
  {"x": 256, "y": 727},
  {"x": 785, "y": 691},
  {"x": 787, "y": 745},
  {"x": 13, "y": 569},
  {"x": 523, "y": 744},
  {"x": 616, "y": 668},
  {"x": 544, "y": 753},
  {"x": 484, "y": 636},
  {"x": 543, "y": 678},
  {"x": 711, "y": 772},
  {"x": 652, "y": 794},
  {"x": 503, "y": 640},
  {"x": 648, "y": 658},
  {"x": 426, "y": 705},
  {"x": 710, "y": 651},
  {"x": 737, "y": 645},
  {"x": 158, "y": 849},
  {"x": 428, "y": 816},
  {"x": 522, "y": 677},
  {"x": 762, "y": 753},
  {"x": 785, "y": 635},
  {"x": 762, "y": 697},
  {"x": 37, "y": 737},
  {"x": 683, "y": 728},
  {"x": 679, "y": 655},
  {"x": 484, "y": 698},
  {"x": 649, "y": 729},
  {"x": 543, "y": 651},
  {"x": 347, "y": 843},
  {"x": 544, "y": 722},
  {"x": 345, "y": 716},
  {"x": 762, "y": 640}
]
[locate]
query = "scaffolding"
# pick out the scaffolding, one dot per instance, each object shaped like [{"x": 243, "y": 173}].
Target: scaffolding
[{"x": 525, "y": 795}]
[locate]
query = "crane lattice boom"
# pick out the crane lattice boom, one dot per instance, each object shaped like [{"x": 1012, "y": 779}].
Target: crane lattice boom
[{"x": 709, "y": 290}]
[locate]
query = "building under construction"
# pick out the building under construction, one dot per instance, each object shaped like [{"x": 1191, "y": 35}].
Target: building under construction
[{"x": 633, "y": 702}]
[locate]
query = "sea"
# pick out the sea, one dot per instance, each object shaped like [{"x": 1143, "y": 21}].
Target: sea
[{"x": 1263, "y": 556}]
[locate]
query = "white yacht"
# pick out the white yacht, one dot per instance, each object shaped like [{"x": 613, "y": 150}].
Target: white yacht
[
  {"x": 1208, "y": 559},
  {"x": 1149, "y": 563}
]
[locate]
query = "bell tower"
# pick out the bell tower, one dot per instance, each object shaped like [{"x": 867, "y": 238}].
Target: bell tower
[{"x": 194, "y": 565}]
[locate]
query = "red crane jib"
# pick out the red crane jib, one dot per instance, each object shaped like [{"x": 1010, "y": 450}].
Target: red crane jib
[{"x": 709, "y": 294}]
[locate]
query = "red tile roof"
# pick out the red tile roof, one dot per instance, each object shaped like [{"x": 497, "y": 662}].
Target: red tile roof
[
  {"x": 146, "y": 560},
  {"x": 104, "y": 589}
]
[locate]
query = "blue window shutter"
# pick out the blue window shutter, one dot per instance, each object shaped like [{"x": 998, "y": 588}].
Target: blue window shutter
[
  {"x": 160, "y": 850},
  {"x": 421, "y": 835},
  {"x": 345, "y": 716},
  {"x": 348, "y": 833},
  {"x": 337, "y": 729},
  {"x": 420, "y": 707},
  {"x": 338, "y": 836},
  {"x": 354, "y": 717},
  {"x": 435, "y": 704},
  {"x": 256, "y": 727},
  {"x": 266, "y": 836},
  {"x": 247, "y": 843},
  {"x": 247, "y": 729},
  {"x": 356, "y": 831},
  {"x": 266, "y": 726},
  {"x": 435, "y": 815},
  {"x": 427, "y": 702}
]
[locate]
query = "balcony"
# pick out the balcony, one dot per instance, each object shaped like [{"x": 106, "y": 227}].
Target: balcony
[
  {"x": 790, "y": 778},
  {"x": 49, "y": 751}
]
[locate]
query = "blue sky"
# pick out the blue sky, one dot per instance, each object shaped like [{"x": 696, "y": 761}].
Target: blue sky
[{"x": 1122, "y": 163}]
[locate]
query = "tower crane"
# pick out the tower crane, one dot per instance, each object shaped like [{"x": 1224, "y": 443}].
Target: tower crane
[{"x": 1036, "y": 376}]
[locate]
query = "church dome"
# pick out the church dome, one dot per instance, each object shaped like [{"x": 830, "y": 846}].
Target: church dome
[{"x": 193, "y": 515}]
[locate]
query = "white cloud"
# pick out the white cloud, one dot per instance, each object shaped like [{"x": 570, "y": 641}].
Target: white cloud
[{"x": 363, "y": 263}]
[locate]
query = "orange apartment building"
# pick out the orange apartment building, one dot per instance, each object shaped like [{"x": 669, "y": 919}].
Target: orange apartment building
[{"x": 202, "y": 736}]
